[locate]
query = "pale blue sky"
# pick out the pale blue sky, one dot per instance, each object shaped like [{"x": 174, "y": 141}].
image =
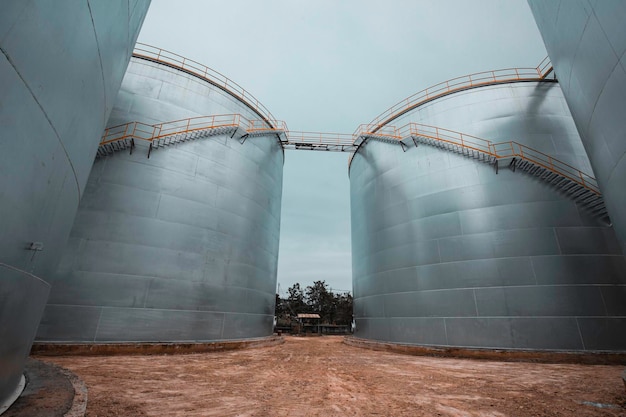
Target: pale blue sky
[{"x": 330, "y": 65}]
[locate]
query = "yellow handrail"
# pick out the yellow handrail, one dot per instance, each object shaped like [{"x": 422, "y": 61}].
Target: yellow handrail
[
  {"x": 150, "y": 133},
  {"x": 172, "y": 59},
  {"x": 545, "y": 67},
  {"x": 478, "y": 79},
  {"x": 320, "y": 138},
  {"x": 499, "y": 150}
]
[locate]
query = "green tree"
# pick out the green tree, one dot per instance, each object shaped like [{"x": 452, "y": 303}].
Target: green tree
[
  {"x": 295, "y": 300},
  {"x": 281, "y": 307},
  {"x": 316, "y": 298},
  {"x": 344, "y": 308},
  {"x": 321, "y": 301}
]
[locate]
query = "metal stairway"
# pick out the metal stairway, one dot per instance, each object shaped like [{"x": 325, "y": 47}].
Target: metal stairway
[
  {"x": 590, "y": 200},
  {"x": 105, "y": 149},
  {"x": 116, "y": 146},
  {"x": 471, "y": 153},
  {"x": 122, "y": 137},
  {"x": 584, "y": 193},
  {"x": 187, "y": 136}
]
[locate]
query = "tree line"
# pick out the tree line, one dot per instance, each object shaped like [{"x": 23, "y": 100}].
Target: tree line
[{"x": 333, "y": 308}]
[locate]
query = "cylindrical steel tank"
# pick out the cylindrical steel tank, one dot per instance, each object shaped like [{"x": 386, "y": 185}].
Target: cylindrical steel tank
[
  {"x": 180, "y": 246},
  {"x": 447, "y": 252},
  {"x": 587, "y": 44},
  {"x": 60, "y": 69}
]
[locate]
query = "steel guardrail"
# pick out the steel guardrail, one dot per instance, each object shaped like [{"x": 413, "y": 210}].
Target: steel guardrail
[
  {"x": 497, "y": 150},
  {"x": 478, "y": 79},
  {"x": 153, "y": 53}
]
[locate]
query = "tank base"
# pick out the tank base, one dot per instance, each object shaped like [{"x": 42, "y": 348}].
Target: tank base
[
  {"x": 4, "y": 405},
  {"x": 506, "y": 355},
  {"x": 142, "y": 348}
]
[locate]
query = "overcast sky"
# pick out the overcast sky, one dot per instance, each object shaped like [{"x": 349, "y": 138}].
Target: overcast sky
[{"x": 330, "y": 65}]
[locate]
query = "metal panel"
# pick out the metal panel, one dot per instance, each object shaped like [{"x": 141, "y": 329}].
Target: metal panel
[
  {"x": 196, "y": 226},
  {"x": 60, "y": 69},
  {"x": 67, "y": 323},
  {"x": 540, "y": 301},
  {"x": 518, "y": 333},
  {"x": 123, "y": 325},
  {"x": 417, "y": 330},
  {"x": 22, "y": 299},
  {"x": 590, "y": 240},
  {"x": 579, "y": 269},
  {"x": 504, "y": 259},
  {"x": 586, "y": 43},
  {"x": 613, "y": 298},
  {"x": 603, "y": 333}
]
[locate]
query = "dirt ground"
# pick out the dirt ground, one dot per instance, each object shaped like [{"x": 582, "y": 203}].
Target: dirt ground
[{"x": 324, "y": 377}]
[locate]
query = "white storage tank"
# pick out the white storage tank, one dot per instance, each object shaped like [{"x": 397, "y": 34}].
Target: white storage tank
[
  {"x": 449, "y": 252},
  {"x": 181, "y": 245}
]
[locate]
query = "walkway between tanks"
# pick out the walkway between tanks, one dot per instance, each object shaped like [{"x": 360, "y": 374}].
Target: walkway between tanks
[{"x": 321, "y": 376}]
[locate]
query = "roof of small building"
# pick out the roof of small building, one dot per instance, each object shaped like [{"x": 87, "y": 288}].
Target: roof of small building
[{"x": 308, "y": 316}]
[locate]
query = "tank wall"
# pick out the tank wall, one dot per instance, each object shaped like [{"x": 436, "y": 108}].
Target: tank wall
[
  {"x": 61, "y": 65},
  {"x": 181, "y": 246},
  {"x": 154, "y": 93},
  {"x": 60, "y": 100},
  {"x": 447, "y": 253},
  {"x": 22, "y": 299},
  {"x": 587, "y": 45},
  {"x": 532, "y": 113}
]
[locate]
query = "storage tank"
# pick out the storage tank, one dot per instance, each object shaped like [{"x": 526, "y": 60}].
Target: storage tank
[
  {"x": 179, "y": 244},
  {"x": 447, "y": 251},
  {"x": 60, "y": 68},
  {"x": 586, "y": 43}
]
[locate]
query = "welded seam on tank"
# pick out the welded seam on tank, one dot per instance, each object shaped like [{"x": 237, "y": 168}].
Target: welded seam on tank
[
  {"x": 532, "y": 267},
  {"x": 152, "y": 278},
  {"x": 235, "y": 313},
  {"x": 128, "y": 22},
  {"x": 104, "y": 91},
  {"x": 593, "y": 111},
  {"x": 582, "y": 33},
  {"x": 580, "y": 333},
  {"x": 241, "y": 241},
  {"x": 595, "y": 104},
  {"x": 467, "y": 289},
  {"x": 606, "y": 310},
  {"x": 21, "y": 271},
  {"x": 223, "y": 325},
  {"x": 569, "y": 255},
  {"x": 43, "y": 111},
  {"x": 621, "y": 160},
  {"x": 568, "y": 318},
  {"x": 454, "y": 210},
  {"x": 95, "y": 334}
]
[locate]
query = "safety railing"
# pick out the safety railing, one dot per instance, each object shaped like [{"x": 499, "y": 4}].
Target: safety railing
[
  {"x": 132, "y": 130},
  {"x": 320, "y": 138},
  {"x": 460, "y": 83},
  {"x": 499, "y": 150},
  {"x": 514, "y": 149},
  {"x": 150, "y": 133},
  {"x": 216, "y": 78},
  {"x": 545, "y": 67}
]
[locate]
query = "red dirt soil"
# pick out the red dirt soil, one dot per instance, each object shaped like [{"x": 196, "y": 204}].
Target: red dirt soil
[{"x": 321, "y": 376}]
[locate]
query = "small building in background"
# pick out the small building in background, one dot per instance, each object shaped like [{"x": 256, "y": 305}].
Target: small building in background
[{"x": 309, "y": 322}]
